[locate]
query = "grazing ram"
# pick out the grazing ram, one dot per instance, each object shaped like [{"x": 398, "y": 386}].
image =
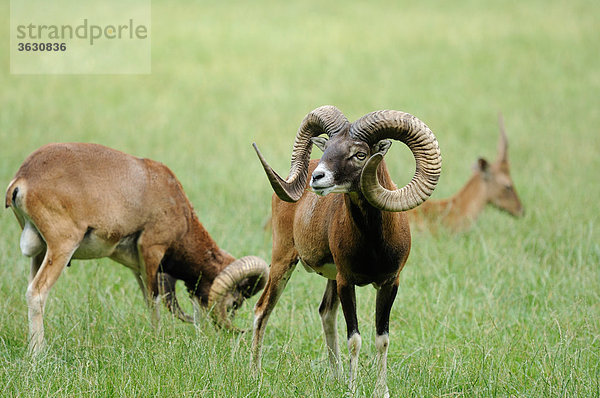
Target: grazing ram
[
  {"x": 490, "y": 183},
  {"x": 85, "y": 201},
  {"x": 351, "y": 228}
]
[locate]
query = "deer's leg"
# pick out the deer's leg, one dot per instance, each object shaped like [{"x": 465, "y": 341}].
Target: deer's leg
[
  {"x": 328, "y": 311},
  {"x": 347, "y": 296},
  {"x": 280, "y": 273},
  {"x": 385, "y": 299}
]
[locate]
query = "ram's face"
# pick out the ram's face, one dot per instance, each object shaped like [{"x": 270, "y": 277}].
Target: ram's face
[{"x": 341, "y": 165}]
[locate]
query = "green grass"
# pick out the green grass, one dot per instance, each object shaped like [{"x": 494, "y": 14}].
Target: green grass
[{"x": 510, "y": 308}]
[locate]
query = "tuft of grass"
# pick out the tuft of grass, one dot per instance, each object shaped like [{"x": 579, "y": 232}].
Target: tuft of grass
[{"x": 510, "y": 308}]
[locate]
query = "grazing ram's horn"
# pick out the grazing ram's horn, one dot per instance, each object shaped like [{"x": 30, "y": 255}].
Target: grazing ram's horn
[
  {"x": 241, "y": 279},
  {"x": 406, "y": 128},
  {"x": 324, "y": 120},
  {"x": 166, "y": 286}
]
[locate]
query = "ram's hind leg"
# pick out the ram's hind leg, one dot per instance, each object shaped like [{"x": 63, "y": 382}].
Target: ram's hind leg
[
  {"x": 328, "y": 311},
  {"x": 284, "y": 258},
  {"x": 36, "y": 263},
  {"x": 278, "y": 277},
  {"x": 55, "y": 260},
  {"x": 142, "y": 286}
]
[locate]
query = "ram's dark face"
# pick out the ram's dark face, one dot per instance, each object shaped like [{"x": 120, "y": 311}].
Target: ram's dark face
[
  {"x": 353, "y": 155},
  {"x": 342, "y": 162}
]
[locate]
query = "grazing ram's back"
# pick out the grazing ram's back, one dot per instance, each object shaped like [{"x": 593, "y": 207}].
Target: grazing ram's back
[
  {"x": 76, "y": 171},
  {"x": 127, "y": 192}
]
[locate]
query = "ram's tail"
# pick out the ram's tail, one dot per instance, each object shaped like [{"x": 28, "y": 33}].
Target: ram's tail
[{"x": 11, "y": 193}]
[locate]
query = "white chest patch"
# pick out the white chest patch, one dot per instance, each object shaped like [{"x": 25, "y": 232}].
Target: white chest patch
[{"x": 329, "y": 271}]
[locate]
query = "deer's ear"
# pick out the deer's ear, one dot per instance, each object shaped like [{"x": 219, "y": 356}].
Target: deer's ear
[
  {"x": 483, "y": 166},
  {"x": 319, "y": 142}
]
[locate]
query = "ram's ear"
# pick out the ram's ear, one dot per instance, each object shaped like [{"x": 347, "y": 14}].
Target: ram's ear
[
  {"x": 382, "y": 146},
  {"x": 319, "y": 142}
]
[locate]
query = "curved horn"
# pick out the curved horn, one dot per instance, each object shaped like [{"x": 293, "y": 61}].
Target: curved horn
[
  {"x": 166, "y": 285},
  {"x": 245, "y": 276},
  {"x": 404, "y": 127},
  {"x": 326, "y": 119},
  {"x": 502, "y": 140}
]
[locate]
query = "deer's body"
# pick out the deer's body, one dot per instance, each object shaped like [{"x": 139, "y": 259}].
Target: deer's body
[
  {"x": 456, "y": 213},
  {"x": 491, "y": 183}
]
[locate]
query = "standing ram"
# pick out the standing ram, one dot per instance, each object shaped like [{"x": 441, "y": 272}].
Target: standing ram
[
  {"x": 351, "y": 228},
  {"x": 85, "y": 201}
]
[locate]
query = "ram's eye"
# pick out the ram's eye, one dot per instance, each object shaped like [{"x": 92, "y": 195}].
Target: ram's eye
[{"x": 360, "y": 155}]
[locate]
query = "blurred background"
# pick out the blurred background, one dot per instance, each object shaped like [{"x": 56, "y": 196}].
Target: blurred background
[{"x": 508, "y": 308}]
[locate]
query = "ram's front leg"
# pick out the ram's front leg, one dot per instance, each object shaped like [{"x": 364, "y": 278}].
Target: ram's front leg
[
  {"x": 385, "y": 299},
  {"x": 328, "y": 311},
  {"x": 347, "y": 296}
]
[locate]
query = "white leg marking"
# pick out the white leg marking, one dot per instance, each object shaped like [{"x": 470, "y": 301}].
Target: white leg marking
[
  {"x": 354, "y": 343},
  {"x": 257, "y": 337},
  {"x": 328, "y": 320},
  {"x": 382, "y": 343},
  {"x": 35, "y": 304}
]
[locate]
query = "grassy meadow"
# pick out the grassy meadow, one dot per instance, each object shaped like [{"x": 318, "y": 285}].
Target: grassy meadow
[{"x": 509, "y": 308}]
